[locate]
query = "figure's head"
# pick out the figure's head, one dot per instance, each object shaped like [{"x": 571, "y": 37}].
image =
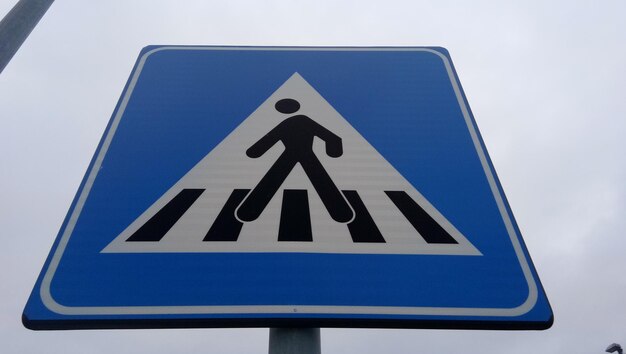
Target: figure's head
[{"x": 287, "y": 106}]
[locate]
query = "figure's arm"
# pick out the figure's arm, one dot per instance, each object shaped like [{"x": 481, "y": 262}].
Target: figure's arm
[
  {"x": 265, "y": 143},
  {"x": 334, "y": 147}
]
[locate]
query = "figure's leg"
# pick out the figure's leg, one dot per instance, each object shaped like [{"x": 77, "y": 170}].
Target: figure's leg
[
  {"x": 333, "y": 200},
  {"x": 255, "y": 203}
]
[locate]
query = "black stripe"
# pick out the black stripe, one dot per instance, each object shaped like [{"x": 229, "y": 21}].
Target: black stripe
[
  {"x": 362, "y": 228},
  {"x": 226, "y": 227},
  {"x": 430, "y": 230},
  {"x": 295, "y": 218},
  {"x": 159, "y": 224}
]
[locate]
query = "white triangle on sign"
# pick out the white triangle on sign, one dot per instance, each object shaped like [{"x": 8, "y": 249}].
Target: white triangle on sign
[{"x": 227, "y": 167}]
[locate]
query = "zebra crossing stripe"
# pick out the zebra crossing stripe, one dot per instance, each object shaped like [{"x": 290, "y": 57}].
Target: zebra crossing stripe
[
  {"x": 430, "y": 230},
  {"x": 162, "y": 222},
  {"x": 295, "y": 217},
  {"x": 362, "y": 228},
  {"x": 226, "y": 227}
]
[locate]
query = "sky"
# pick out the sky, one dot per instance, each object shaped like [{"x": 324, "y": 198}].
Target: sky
[{"x": 545, "y": 81}]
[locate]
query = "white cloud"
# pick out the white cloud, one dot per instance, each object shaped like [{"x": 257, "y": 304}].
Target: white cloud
[{"x": 545, "y": 82}]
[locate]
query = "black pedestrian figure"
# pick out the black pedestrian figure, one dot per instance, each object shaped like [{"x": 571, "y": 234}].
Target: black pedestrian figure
[{"x": 297, "y": 134}]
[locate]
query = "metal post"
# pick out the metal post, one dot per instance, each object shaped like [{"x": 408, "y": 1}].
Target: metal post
[
  {"x": 17, "y": 25},
  {"x": 295, "y": 341}
]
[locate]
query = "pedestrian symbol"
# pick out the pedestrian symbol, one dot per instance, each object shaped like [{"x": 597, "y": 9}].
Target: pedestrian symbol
[
  {"x": 296, "y": 133},
  {"x": 294, "y": 176}
]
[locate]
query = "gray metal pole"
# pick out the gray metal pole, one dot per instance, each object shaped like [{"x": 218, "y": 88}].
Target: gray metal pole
[
  {"x": 295, "y": 341},
  {"x": 17, "y": 25}
]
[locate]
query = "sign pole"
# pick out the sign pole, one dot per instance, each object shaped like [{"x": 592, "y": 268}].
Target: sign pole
[
  {"x": 17, "y": 25},
  {"x": 295, "y": 340}
]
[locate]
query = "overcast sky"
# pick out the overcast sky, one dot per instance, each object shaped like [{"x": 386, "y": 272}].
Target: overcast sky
[{"x": 545, "y": 81}]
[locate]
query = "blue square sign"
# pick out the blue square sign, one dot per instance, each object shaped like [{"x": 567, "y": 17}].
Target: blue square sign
[{"x": 277, "y": 186}]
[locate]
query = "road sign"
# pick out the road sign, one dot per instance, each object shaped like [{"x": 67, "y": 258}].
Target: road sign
[{"x": 258, "y": 186}]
